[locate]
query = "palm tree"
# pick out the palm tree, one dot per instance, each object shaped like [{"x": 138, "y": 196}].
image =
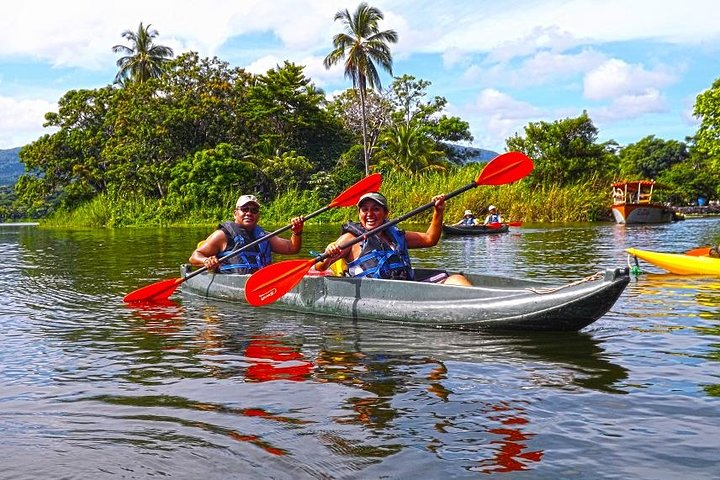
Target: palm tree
[
  {"x": 362, "y": 46},
  {"x": 406, "y": 148},
  {"x": 142, "y": 60}
]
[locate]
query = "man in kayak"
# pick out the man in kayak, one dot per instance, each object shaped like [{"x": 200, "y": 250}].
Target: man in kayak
[
  {"x": 715, "y": 251},
  {"x": 494, "y": 216},
  {"x": 241, "y": 231},
  {"x": 468, "y": 219},
  {"x": 385, "y": 254}
]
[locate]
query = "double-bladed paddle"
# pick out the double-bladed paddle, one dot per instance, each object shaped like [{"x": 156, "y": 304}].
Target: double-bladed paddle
[
  {"x": 698, "y": 252},
  {"x": 348, "y": 198},
  {"x": 273, "y": 281}
]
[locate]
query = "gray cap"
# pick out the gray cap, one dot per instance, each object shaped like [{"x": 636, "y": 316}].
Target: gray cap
[
  {"x": 245, "y": 199},
  {"x": 375, "y": 197}
]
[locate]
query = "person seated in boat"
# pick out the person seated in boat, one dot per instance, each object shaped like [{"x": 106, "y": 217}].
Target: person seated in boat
[
  {"x": 467, "y": 219},
  {"x": 242, "y": 230},
  {"x": 493, "y": 216},
  {"x": 385, "y": 254},
  {"x": 714, "y": 251},
  {"x": 618, "y": 195}
]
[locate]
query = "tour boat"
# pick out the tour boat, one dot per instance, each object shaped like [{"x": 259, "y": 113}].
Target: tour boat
[{"x": 633, "y": 203}]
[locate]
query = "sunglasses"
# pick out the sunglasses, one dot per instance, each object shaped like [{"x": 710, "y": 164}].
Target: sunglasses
[{"x": 253, "y": 210}]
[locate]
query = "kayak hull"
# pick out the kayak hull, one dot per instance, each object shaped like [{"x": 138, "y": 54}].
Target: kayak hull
[
  {"x": 679, "y": 264},
  {"x": 493, "y": 303},
  {"x": 474, "y": 229}
]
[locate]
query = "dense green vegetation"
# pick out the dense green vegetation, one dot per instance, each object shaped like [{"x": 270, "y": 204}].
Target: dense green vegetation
[{"x": 176, "y": 140}]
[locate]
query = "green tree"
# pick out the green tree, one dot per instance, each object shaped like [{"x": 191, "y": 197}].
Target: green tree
[
  {"x": 411, "y": 108},
  {"x": 209, "y": 177},
  {"x": 406, "y": 148},
  {"x": 288, "y": 113},
  {"x": 564, "y": 151},
  {"x": 142, "y": 60},
  {"x": 68, "y": 167},
  {"x": 363, "y": 47},
  {"x": 651, "y": 156},
  {"x": 707, "y": 138}
]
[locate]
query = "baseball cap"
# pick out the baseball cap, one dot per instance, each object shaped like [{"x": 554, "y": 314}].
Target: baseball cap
[
  {"x": 468, "y": 212},
  {"x": 375, "y": 197},
  {"x": 245, "y": 199}
]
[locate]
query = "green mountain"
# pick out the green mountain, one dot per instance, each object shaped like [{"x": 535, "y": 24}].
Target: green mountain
[{"x": 10, "y": 166}]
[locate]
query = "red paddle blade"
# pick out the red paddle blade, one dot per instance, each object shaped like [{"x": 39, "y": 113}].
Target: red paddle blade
[
  {"x": 505, "y": 168},
  {"x": 156, "y": 291},
  {"x": 514, "y": 224},
  {"x": 350, "y": 196},
  {"x": 272, "y": 282},
  {"x": 698, "y": 252}
]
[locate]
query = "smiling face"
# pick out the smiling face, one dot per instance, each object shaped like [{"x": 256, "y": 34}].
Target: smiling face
[
  {"x": 372, "y": 214},
  {"x": 247, "y": 215}
]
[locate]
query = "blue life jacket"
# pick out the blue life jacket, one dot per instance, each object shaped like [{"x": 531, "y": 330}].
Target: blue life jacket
[
  {"x": 468, "y": 221},
  {"x": 247, "y": 261},
  {"x": 378, "y": 258},
  {"x": 493, "y": 218}
]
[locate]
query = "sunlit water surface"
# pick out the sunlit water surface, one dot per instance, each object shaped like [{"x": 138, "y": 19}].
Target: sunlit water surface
[{"x": 91, "y": 388}]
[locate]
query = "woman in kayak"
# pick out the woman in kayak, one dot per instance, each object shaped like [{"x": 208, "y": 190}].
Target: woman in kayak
[
  {"x": 242, "y": 230},
  {"x": 385, "y": 254},
  {"x": 468, "y": 219}
]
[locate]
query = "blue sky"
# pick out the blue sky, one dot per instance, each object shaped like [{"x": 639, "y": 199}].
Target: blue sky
[{"x": 636, "y": 66}]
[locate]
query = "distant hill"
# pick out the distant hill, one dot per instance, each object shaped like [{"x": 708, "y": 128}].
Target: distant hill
[
  {"x": 10, "y": 166},
  {"x": 465, "y": 155}
]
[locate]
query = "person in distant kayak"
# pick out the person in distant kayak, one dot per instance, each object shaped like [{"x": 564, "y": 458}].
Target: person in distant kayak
[
  {"x": 714, "y": 251},
  {"x": 242, "y": 230},
  {"x": 385, "y": 254},
  {"x": 493, "y": 216},
  {"x": 467, "y": 219}
]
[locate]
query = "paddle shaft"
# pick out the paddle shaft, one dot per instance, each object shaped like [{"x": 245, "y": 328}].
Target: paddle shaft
[
  {"x": 397, "y": 220},
  {"x": 255, "y": 242}
]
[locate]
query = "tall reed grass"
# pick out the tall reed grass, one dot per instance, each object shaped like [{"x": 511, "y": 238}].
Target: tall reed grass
[{"x": 582, "y": 202}]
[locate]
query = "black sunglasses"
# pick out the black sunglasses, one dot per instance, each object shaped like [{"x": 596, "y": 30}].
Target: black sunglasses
[{"x": 254, "y": 210}]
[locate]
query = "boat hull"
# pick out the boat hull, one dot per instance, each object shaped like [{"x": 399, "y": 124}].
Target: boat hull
[
  {"x": 679, "y": 264},
  {"x": 642, "y": 213},
  {"x": 473, "y": 229},
  {"x": 494, "y": 303}
]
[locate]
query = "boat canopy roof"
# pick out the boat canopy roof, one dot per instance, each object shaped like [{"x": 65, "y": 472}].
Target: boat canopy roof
[{"x": 633, "y": 185}]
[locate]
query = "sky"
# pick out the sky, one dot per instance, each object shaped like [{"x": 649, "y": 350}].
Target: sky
[{"x": 636, "y": 66}]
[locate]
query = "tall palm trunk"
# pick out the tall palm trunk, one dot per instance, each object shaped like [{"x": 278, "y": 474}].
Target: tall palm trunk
[{"x": 366, "y": 149}]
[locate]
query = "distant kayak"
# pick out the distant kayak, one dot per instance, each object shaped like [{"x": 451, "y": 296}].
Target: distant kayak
[
  {"x": 678, "y": 263},
  {"x": 475, "y": 229}
]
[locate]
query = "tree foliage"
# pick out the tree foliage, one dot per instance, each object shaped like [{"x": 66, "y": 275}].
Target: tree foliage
[
  {"x": 364, "y": 47},
  {"x": 142, "y": 60},
  {"x": 564, "y": 151},
  {"x": 651, "y": 156},
  {"x": 707, "y": 138}
]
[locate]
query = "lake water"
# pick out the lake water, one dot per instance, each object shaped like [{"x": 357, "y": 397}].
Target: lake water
[{"x": 91, "y": 388}]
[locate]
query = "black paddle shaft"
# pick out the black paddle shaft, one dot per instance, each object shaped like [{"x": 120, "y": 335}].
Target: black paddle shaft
[
  {"x": 235, "y": 251},
  {"x": 397, "y": 220}
]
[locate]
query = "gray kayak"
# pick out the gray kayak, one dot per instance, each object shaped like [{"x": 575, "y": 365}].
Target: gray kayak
[{"x": 492, "y": 303}]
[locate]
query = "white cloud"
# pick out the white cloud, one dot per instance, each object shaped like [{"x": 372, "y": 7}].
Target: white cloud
[
  {"x": 494, "y": 116},
  {"x": 616, "y": 78},
  {"x": 632, "y": 106},
  {"x": 19, "y": 120}
]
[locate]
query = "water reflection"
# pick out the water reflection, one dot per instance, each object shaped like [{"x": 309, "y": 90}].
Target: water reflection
[{"x": 210, "y": 387}]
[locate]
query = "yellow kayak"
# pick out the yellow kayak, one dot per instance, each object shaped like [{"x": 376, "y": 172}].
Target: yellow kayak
[{"x": 678, "y": 263}]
